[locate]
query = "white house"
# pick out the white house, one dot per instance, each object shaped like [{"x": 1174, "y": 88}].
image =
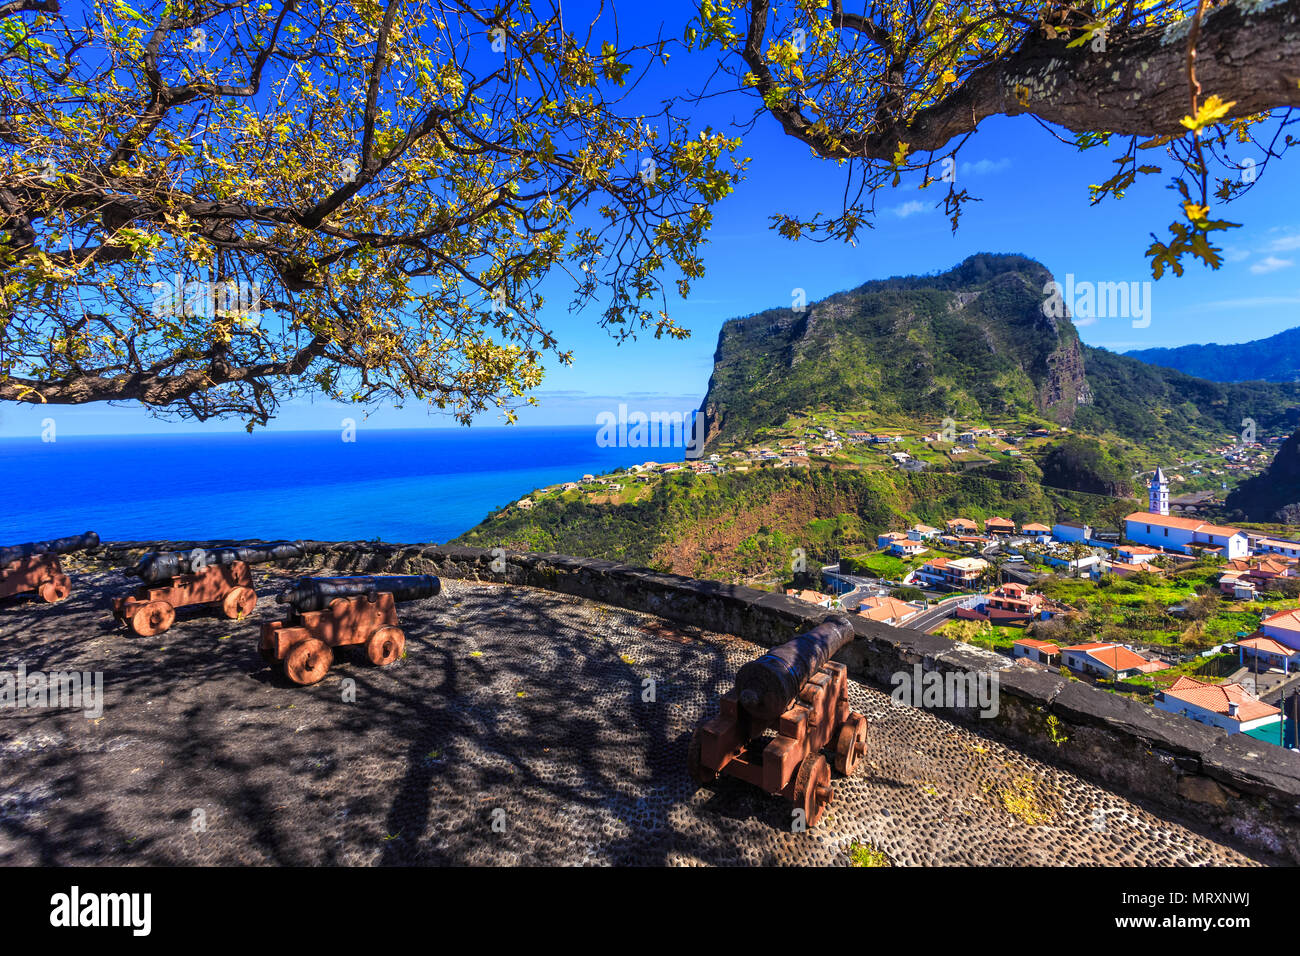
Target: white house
[
  {"x": 1043, "y": 652},
  {"x": 1264, "y": 652},
  {"x": 1264, "y": 545},
  {"x": 812, "y": 597},
  {"x": 906, "y": 548},
  {"x": 887, "y": 610},
  {"x": 1228, "y": 706},
  {"x": 1283, "y": 627},
  {"x": 1136, "y": 553},
  {"x": 921, "y": 532},
  {"x": 1069, "y": 531},
  {"x": 1105, "y": 660},
  {"x": 1157, "y": 528}
]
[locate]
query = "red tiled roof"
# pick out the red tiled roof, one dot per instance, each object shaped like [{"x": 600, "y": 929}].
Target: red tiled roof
[
  {"x": 1038, "y": 645},
  {"x": 812, "y": 597},
  {"x": 1185, "y": 524},
  {"x": 1112, "y": 655},
  {"x": 1216, "y": 697},
  {"x": 885, "y": 609},
  {"x": 1267, "y": 645},
  {"x": 1287, "y": 620}
]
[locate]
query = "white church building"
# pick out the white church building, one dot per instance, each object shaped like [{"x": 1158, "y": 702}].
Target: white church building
[{"x": 1158, "y": 529}]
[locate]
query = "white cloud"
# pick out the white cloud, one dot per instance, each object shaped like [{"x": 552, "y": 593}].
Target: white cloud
[
  {"x": 910, "y": 208},
  {"x": 1271, "y": 264},
  {"x": 1285, "y": 244},
  {"x": 983, "y": 166}
]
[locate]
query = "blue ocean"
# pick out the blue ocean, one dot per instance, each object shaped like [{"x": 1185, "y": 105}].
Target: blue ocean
[{"x": 417, "y": 485}]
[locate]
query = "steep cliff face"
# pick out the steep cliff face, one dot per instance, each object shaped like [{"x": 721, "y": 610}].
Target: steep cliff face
[
  {"x": 973, "y": 342},
  {"x": 1066, "y": 386}
]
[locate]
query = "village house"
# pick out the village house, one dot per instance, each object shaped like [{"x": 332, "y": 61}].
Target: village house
[
  {"x": 905, "y": 548},
  {"x": 1121, "y": 569},
  {"x": 1238, "y": 585},
  {"x": 812, "y": 597},
  {"x": 1039, "y": 532},
  {"x": 1260, "y": 545},
  {"x": 1136, "y": 553},
  {"x": 1016, "y": 598},
  {"x": 1228, "y": 706},
  {"x": 1043, "y": 652},
  {"x": 1070, "y": 532},
  {"x": 1283, "y": 627},
  {"x": 887, "y": 610},
  {"x": 921, "y": 532},
  {"x": 962, "y": 526},
  {"x": 1261, "y": 570},
  {"x": 1111, "y": 661},
  {"x": 888, "y": 538},
  {"x": 1264, "y": 652},
  {"x": 997, "y": 525},
  {"x": 960, "y": 573}
]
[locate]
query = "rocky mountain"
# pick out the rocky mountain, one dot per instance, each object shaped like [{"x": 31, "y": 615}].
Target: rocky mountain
[
  {"x": 972, "y": 343},
  {"x": 1274, "y": 359}
]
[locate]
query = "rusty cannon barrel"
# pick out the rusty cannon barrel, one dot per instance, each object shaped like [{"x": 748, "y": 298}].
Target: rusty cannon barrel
[
  {"x": 80, "y": 542},
  {"x": 315, "y": 594},
  {"x": 768, "y": 685},
  {"x": 159, "y": 566}
]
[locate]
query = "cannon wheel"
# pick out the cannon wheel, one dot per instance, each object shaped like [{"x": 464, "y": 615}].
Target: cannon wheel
[
  {"x": 238, "y": 603},
  {"x": 55, "y": 590},
  {"x": 385, "y": 645},
  {"x": 695, "y": 762},
  {"x": 851, "y": 745},
  {"x": 812, "y": 788},
  {"x": 308, "y": 661},
  {"x": 150, "y": 620}
]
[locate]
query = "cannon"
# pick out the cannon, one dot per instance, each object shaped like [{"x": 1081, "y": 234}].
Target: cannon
[
  {"x": 214, "y": 576},
  {"x": 34, "y": 566},
  {"x": 798, "y": 692},
  {"x": 326, "y": 613}
]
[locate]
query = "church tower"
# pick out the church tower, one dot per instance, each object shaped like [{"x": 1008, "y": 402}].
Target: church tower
[{"x": 1158, "y": 500}]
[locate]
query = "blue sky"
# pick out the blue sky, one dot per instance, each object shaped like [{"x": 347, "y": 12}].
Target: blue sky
[{"x": 1035, "y": 202}]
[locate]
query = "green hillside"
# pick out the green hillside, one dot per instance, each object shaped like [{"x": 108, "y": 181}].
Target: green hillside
[{"x": 741, "y": 526}]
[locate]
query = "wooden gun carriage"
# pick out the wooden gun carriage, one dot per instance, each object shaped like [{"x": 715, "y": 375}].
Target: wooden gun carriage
[
  {"x": 218, "y": 577},
  {"x": 797, "y": 691},
  {"x": 34, "y": 566},
  {"x": 335, "y": 612}
]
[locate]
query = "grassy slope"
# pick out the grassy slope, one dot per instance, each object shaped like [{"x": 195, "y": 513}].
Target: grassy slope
[{"x": 744, "y": 526}]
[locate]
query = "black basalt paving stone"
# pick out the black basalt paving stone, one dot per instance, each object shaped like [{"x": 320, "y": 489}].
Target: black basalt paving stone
[{"x": 516, "y": 730}]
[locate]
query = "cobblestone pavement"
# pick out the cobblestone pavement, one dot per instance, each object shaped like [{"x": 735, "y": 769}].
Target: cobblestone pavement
[{"x": 513, "y": 732}]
